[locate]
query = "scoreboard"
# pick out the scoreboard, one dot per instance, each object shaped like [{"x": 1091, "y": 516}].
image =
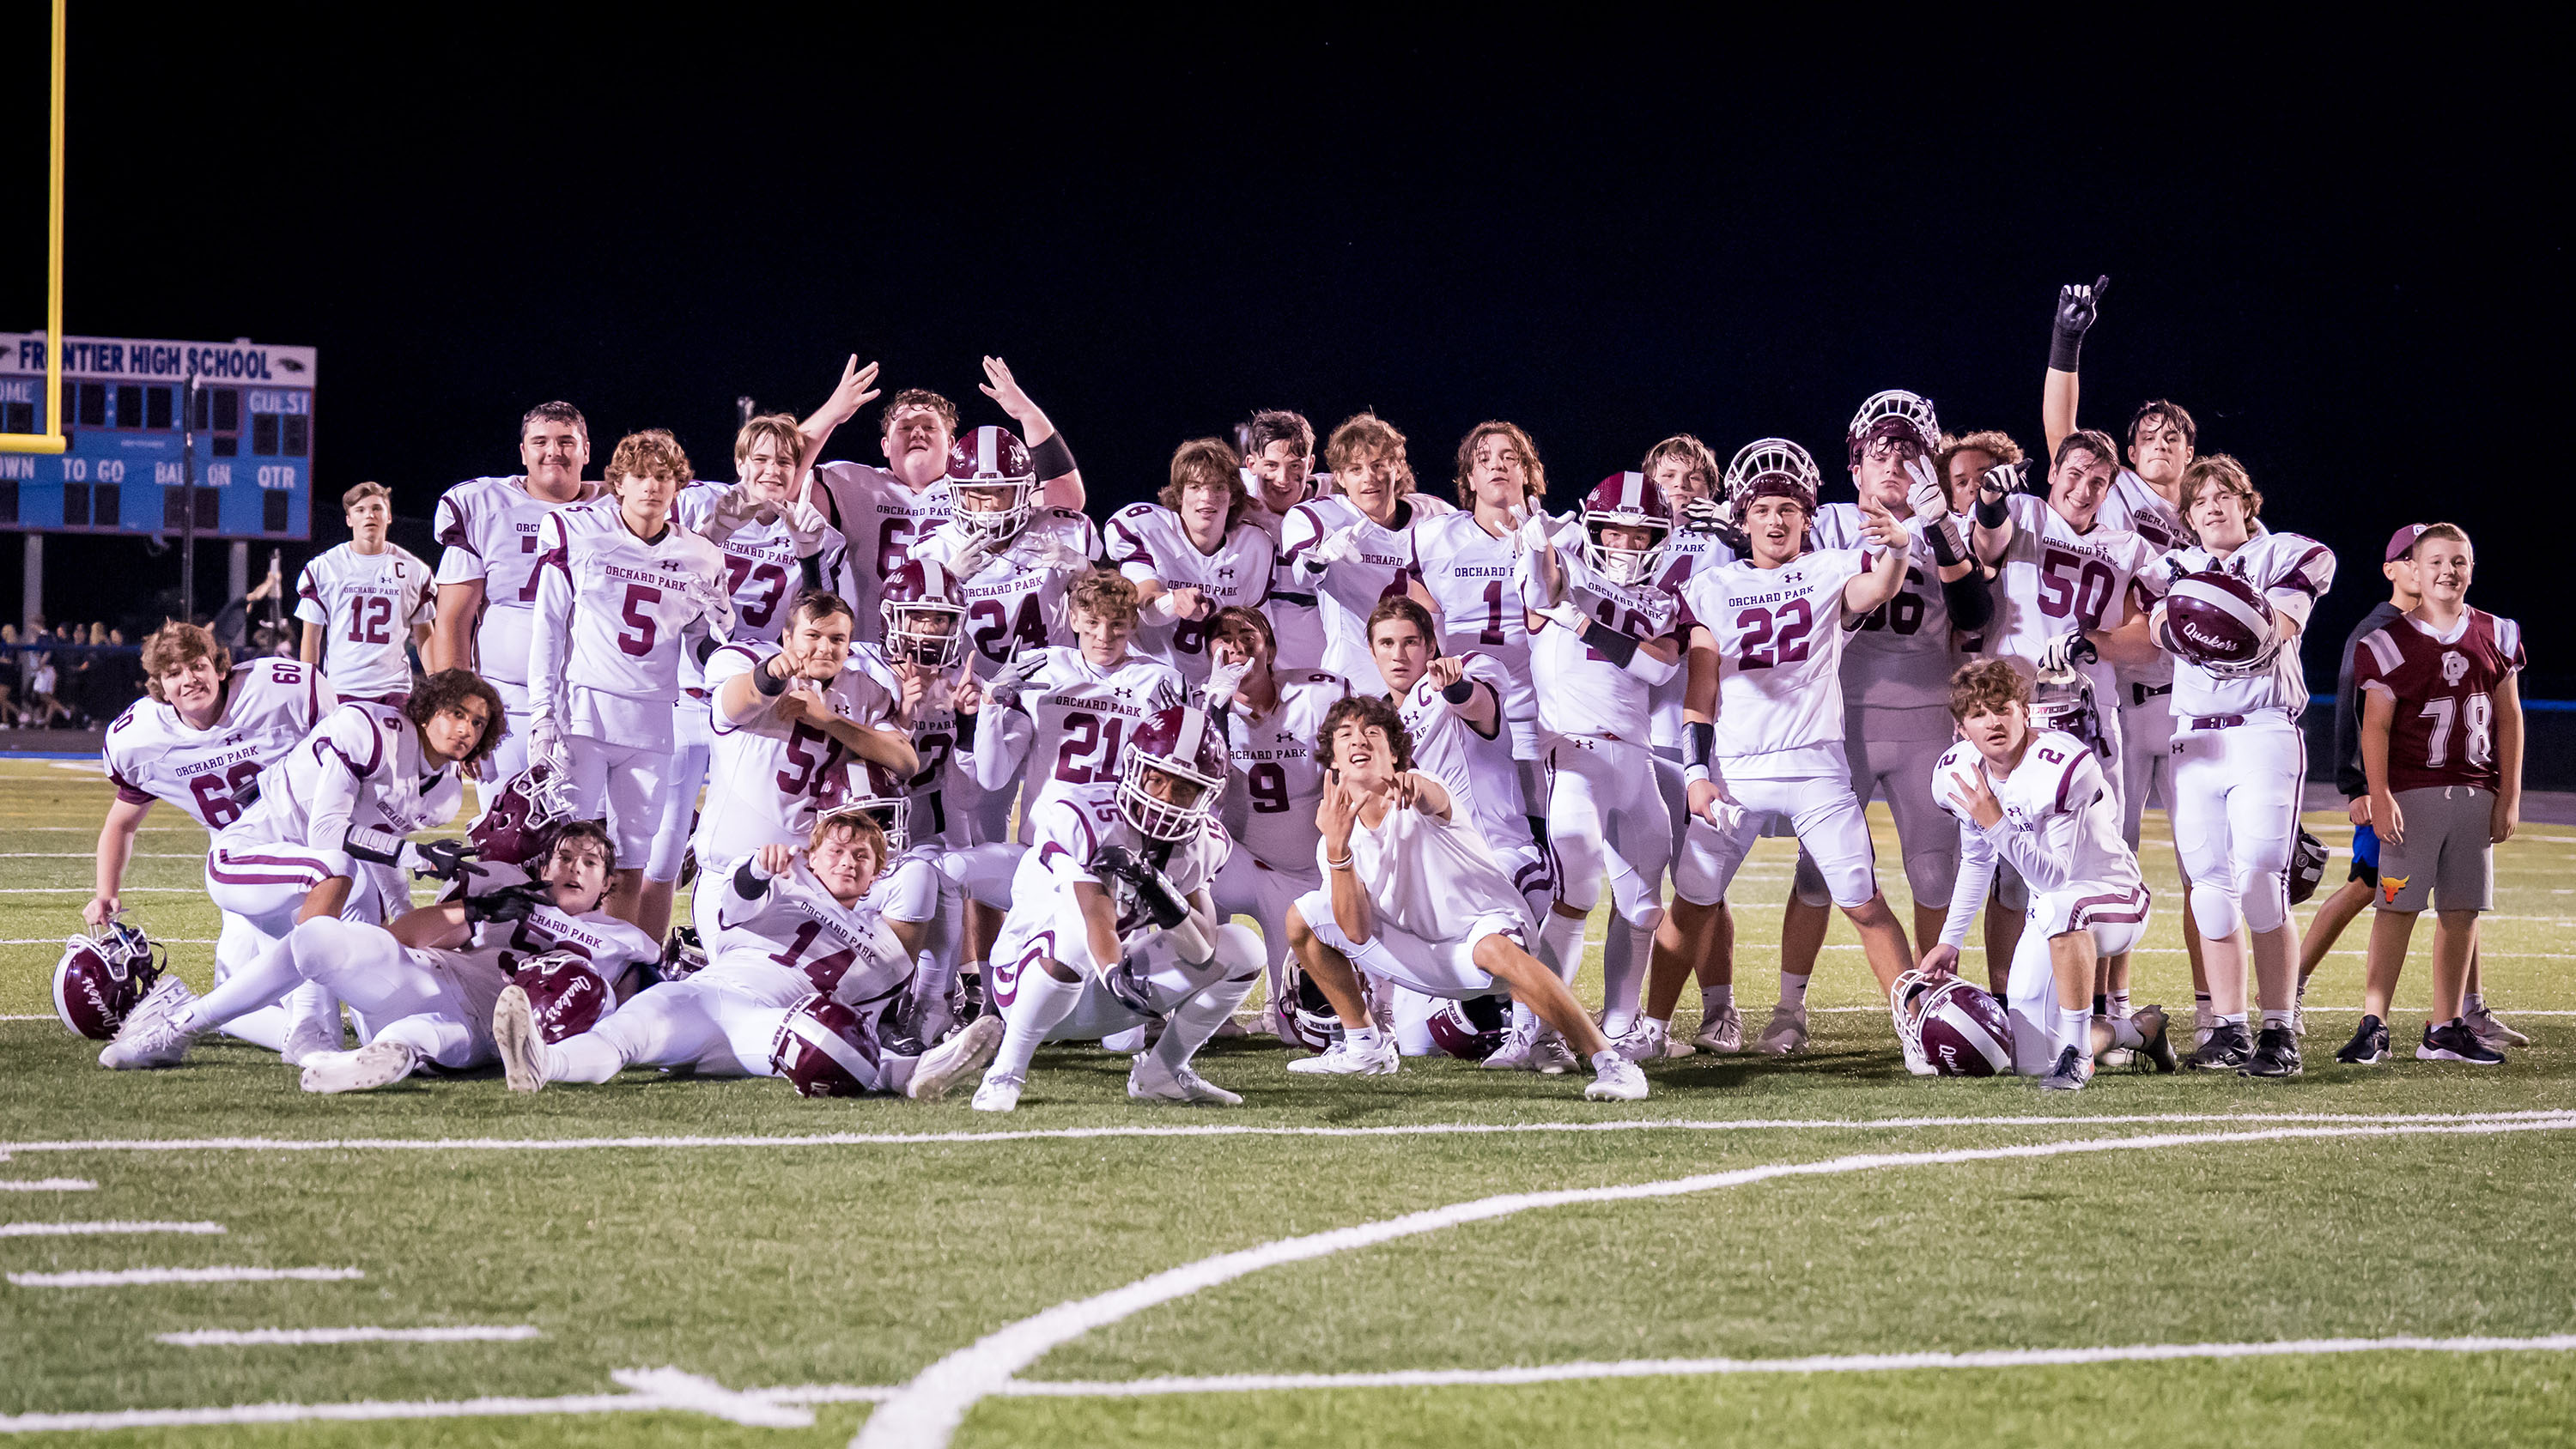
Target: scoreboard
[{"x": 124, "y": 399}]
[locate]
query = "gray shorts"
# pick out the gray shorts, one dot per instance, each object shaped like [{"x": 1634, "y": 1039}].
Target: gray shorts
[{"x": 2446, "y": 855}]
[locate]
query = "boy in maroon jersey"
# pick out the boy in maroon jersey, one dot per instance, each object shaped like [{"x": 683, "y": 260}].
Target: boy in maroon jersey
[{"x": 2441, "y": 744}]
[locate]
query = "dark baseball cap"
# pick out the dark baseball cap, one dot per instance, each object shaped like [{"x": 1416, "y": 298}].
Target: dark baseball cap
[{"x": 2402, "y": 542}]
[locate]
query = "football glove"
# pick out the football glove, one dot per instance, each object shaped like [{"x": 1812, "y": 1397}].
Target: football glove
[
  {"x": 2061, "y": 654},
  {"x": 2004, "y": 479},
  {"x": 1162, "y": 901},
  {"x": 1929, "y": 501},
  {"x": 1342, "y": 545},
  {"x": 509, "y": 903}
]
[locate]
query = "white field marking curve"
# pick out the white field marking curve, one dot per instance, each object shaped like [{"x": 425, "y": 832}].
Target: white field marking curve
[
  {"x": 930, "y": 1407},
  {"x": 101, "y": 1229},
  {"x": 143, "y": 1277},
  {"x": 652, "y": 1391},
  {"x": 296, "y": 1337},
  {"x": 1423, "y": 1129}
]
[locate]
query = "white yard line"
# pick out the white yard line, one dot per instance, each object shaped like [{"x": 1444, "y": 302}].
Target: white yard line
[
  {"x": 654, "y": 1391},
  {"x": 930, "y": 1407},
  {"x": 88, "y": 890},
  {"x": 297, "y": 1337},
  {"x": 141, "y": 1277},
  {"x": 60, "y": 940},
  {"x": 1421, "y": 1129},
  {"x": 104, "y": 1230},
  {"x": 47, "y": 1184}
]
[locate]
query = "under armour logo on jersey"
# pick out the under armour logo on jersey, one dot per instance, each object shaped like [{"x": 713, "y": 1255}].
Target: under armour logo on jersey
[
  {"x": 1289, "y": 737},
  {"x": 2454, "y": 666}
]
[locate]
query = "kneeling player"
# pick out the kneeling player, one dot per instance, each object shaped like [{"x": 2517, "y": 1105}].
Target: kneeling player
[
  {"x": 1110, "y": 926},
  {"x": 795, "y": 923},
  {"x": 1418, "y": 898},
  {"x": 2039, "y": 799}
]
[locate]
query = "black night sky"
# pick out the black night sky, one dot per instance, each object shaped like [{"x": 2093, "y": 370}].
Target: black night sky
[{"x": 2339, "y": 260}]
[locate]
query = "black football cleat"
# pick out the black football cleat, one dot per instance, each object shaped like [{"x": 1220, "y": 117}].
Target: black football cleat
[
  {"x": 2276, "y": 1054},
  {"x": 2223, "y": 1050},
  {"x": 2157, "y": 1049},
  {"x": 2369, "y": 1044}
]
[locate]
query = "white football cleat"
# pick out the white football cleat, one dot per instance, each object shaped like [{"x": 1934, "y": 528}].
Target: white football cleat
[
  {"x": 945, "y": 1065},
  {"x": 311, "y": 1037},
  {"x": 1541, "y": 1049},
  {"x": 1644, "y": 1041},
  {"x": 1786, "y": 1033},
  {"x": 151, "y": 1036},
  {"x": 1150, "y": 1081},
  {"x": 1345, "y": 1060},
  {"x": 1616, "y": 1079},
  {"x": 1722, "y": 1033},
  {"x": 515, "y": 1037},
  {"x": 377, "y": 1064},
  {"x": 1000, "y": 1093}
]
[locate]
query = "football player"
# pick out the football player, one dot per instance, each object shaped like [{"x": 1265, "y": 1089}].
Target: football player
[
  {"x": 2038, "y": 798},
  {"x": 1464, "y": 570},
  {"x": 487, "y": 571},
  {"x": 790, "y": 718},
  {"x": 199, "y": 739},
  {"x": 1356, "y": 546},
  {"x": 1278, "y": 449},
  {"x": 1069, "y": 712},
  {"x": 364, "y": 602},
  {"x": 2239, "y": 760},
  {"x": 326, "y": 838},
  {"x": 776, "y": 545},
  {"x": 1961, "y": 463},
  {"x": 795, "y": 922},
  {"x": 1111, "y": 928},
  {"x": 1764, "y": 721},
  {"x": 2441, "y": 746},
  {"x": 1602, "y": 639},
  {"x": 1272, "y": 792},
  {"x": 622, "y": 593},
  {"x": 1896, "y": 668},
  {"x": 1413, "y": 896},
  {"x": 1192, "y": 554},
  {"x": 1452, "y": 710}
]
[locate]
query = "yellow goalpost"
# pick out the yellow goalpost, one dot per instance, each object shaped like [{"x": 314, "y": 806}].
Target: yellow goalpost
[{"x": 51, "y": 440}]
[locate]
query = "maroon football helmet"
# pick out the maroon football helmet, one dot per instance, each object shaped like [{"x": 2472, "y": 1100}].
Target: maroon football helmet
[
  {"x": 1625, "y": 500},
  {"x": 1960, "y": 1030},
  {"x": 2219, "y": 622},
  {"x": 520, "y": 827},
  {"x": 877, "y": 792},
  {"x": 827, "y": 1050},
  {"x": 1471, "y": 1030},
  {"x": 1894, "y": 413},
  {"x": 101, "y": 978},
  {"x": 1309, "y": 1020},
  {"x": 1771, "y": 468},
  {"x": 1182, "y": 742},
  {"x": 992, "y": 459},
  {"x": 925, "y": 615},
  {"x": 566, "y": 993}
]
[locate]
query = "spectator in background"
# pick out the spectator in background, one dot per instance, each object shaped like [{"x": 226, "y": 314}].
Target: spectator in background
[{"x": 232, "y": 625}]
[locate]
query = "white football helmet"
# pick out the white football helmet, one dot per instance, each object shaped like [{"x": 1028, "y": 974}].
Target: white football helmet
[
  {"x": 1894, "y": 413},
  {"x": 1771, "y": 467}
]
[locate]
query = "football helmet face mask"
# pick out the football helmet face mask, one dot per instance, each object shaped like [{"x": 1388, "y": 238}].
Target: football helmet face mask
[
  {"x": 825, "y": 1049},
  {"x": 1625, "y": 500},
  {"x": 1471, "y": 1030},
  {"x": 1310, "y": 1018},
  {"x": 101, "y": 978},
  {"x": 1960, "y": 1030},
  {"x": 682, "y": 956},
  {"x": 993, "y": 462},
  {"x": 2064, "y": 701},
  {"x": 1183, "y": 745},
  {"x": 925, "y": 615},
  {"x": 520, "y": 827},
  {"x": 875, "y": 791},
  {"x": 1771, "y": 468},
  {"x": 1894, "y": 413},
  {"x": 566, "y": 993}
]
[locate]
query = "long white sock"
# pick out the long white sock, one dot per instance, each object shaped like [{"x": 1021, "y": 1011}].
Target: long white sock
[
  {"x": 265, "y": 980},
  {"x": 2272, "y": 1019},
  {"x": 1187, "y": 1029},
  {"x": 2075, "y": 1029},
  {"x": 1623, "y": 979},
  {"x": 1041, "y": 1006},
  {"x": 1560, "y": 945},
  {"x": 1793, "y": 989}
]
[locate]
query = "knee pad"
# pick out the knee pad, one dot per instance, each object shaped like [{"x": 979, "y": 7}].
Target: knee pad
[
  {"x": 1808, "y": 885},
  {"x": 317, "y": 947},
  {"x": 1238, "y": 950},
  {"x": 2214, "y": 908},
  {"x": 1930, "y": 875},
  {"x": 2265, "y": 897}
]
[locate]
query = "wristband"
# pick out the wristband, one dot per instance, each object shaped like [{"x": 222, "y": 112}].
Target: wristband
[
  {"x": 1991, "y": 512},
  {"x": 1342, "y": 864},
  {"x": 1051, "y": 459},
  {"x": 1699, "y": 745},
  {"x": 1461, "y": 692},
  {"x": 1612, "y": 645},
  {"x": 367, "y": 843},
  {"x": 1696, "y": 774},
  {"x": 1944, "y": 537},
  {"x": 770, "y": 685},
  {"x": 2063, "y": 348}
]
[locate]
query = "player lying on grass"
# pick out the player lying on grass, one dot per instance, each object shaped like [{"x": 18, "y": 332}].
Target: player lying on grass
[
  {"x": 1111, "y": 928},
  {"x": 795, "y": 923},
  {"x": 1416, "y": 898},
  {"x": 2038, "y": 798}
]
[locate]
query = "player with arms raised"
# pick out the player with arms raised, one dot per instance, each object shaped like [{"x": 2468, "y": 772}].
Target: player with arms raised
[
  {"x": 1191, "y": 554},
  {"x": 363, "y": 602}
]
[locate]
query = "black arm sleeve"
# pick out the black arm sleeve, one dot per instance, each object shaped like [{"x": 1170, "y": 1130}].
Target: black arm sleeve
[
  {"x": 1972, "y": 607},
  {"x": 811, "y": 567},
  {"x": 1614, "y": 646},
  {"x": 748, "y": 886}
]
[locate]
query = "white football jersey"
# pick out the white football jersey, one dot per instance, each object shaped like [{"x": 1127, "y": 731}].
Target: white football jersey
[
  {"x": 2061, "y": 824},
  {"x": 845, "y": 952},
  {"x": 1066, "y": 835},
  {"x": 270, "y": 705},
  {"x": 362, "y": 766},
  {"x": 366, "y": 605},
  {"x": 1580, "y": 692},
  {"x": 1779, "y": 636},
  {"x": 2132, "y": 505},
  {"x": 761, "y": 568},
  {"x": 1684, "y": 554},
  {"x": 1016, "y": 601},
  {"x": 1470, "y": 575},
  {"x": 944, "y": 787},
  {"x": 1898, "y": 656},
  {"x": 2293, "y": 572},
  {"x": 615, "y": 613},
  {"x": 1270, "y": 802},
  {"x": 1348, "y": 590},
  {"x": 603, "y": 940},
  {"x": 1428, "y": 876},
  {"x": 1296, "y": 620},
  {"x": 1484, "y": 783},
  {"x": 882, "y": 518},
  {"x": 2052, "y": 579},
  {"x": 1147, "y": 541},
  {"x": 488, "y": 529},
  {"x": 1083, "y": 715},
  {"x": 767, "y": 777}
]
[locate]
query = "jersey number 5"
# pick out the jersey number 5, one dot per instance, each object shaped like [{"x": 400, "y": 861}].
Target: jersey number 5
[{"x": 638, "y": 597}]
